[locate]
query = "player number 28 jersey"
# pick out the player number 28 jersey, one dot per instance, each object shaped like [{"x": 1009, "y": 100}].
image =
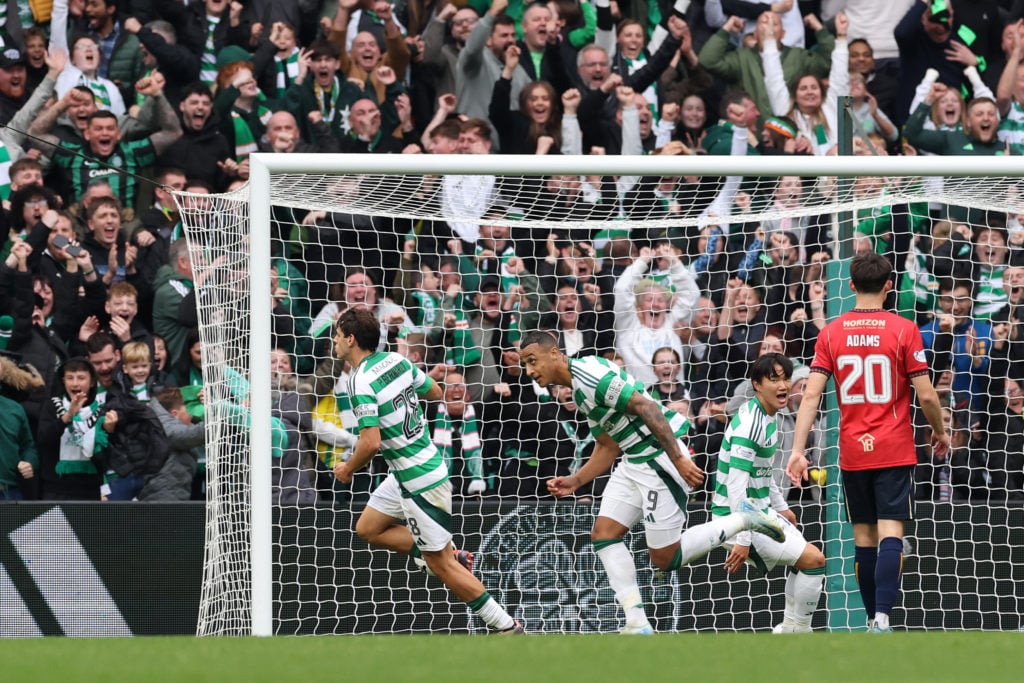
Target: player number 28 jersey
[{"x": 385, "y": 390}]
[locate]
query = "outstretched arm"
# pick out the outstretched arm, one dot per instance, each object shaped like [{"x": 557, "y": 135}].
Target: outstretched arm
[
  {"x": 599, "y": 462},
  {"x": 796, "y": 468}
]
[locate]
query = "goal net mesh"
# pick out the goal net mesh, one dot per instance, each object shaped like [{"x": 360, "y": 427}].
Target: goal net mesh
[{"x": 458, "y": 267}]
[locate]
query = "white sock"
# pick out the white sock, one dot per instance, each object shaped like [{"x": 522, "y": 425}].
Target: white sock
[
  {"x": 699, "y": 540},
  {"x": 806, "y": 591},
  {"x": 881, "y": 620},
  {"x": 789, "y": 614},
  {"x": 495, "y": 616},
  {"x": 618, "y": 565}
]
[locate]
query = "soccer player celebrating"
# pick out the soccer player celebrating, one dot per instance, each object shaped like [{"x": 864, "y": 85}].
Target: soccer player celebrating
[
  {"x": 876, "y": 356},
  {"x": 384, "y": 389},
  {"x": 651, "y": 484},
  {"x": 745, "y": 471}
]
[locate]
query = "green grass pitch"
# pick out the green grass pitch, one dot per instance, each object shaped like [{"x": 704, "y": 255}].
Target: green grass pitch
[{"x": 690, "y": 657}]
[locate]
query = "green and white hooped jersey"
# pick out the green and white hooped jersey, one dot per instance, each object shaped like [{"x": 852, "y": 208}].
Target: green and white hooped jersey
[
  {"x": 601, "y": 390},
  {"x": 384, "y": 390},
  {"x": 749, "y": 446}
]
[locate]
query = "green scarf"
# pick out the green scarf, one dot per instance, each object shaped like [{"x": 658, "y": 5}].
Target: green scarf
[
  {"x": 287, "y": 72},
  {"x": 472, "y": 452},
  {"x": 83, "y": 436},
  {"x": 245, "y": 140}
]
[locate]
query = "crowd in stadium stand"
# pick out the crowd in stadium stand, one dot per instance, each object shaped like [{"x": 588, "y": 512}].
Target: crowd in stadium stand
[{"x": 103, "y": 388}]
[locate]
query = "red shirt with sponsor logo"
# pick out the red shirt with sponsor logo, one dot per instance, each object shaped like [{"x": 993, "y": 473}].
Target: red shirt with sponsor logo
[{"x": 873, "y": 354}]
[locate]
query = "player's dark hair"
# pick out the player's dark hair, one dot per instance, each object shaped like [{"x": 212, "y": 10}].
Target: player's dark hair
[
  {"x": 869, "y": 272},
  {"x": 765, "y": 367},
  {"x": 363, "y": 325},
  {"x": 544, "y": 339}
]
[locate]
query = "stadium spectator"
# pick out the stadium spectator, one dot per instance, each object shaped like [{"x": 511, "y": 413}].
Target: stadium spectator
[
  {"x": 160, "y": 51},
  {"x": 13, "y": 95},
  {"x": 174, "y": 480},
  {"x": 482, "y": 60},
  {"x": 810, "y": 104},
  {"x": 85, "y": 70},
  {"x": 203, "y": 152},
  {"x": 360, "y": 61},
  {"x": 291, "y": 478},
  {"x": 743, "y": 68},
  {"x": 81, "y": 162},
  {"x": 972, "y": 344},
  {"x": 174, "y": 301},
  {"x": 441, "y": 56},
  {"x": 455, "y": 432},
  {"x": 73, "y": 431},
  {"x": 647, "y": 312},
  {"x": 536, "y": 126},
  {"x": 882, "y": 81},
  {"x": 19, "y": 460}
]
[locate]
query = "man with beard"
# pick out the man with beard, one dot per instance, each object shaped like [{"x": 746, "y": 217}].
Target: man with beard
[
  {"x": 12, "y": 83},
  {"x": 481, "y": 61},
  {"x": 979, "y": 135},
  {"x": 442, "y": 56},
  {"x": 81, "y": 163},
  {"x": 202, "y": 148}
]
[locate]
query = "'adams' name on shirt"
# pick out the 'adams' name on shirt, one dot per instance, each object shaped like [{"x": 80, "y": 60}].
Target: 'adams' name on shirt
[{"x": 853, "y": 340}]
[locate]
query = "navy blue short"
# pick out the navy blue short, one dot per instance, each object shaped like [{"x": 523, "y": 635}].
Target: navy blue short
[{"x": 886, "y": 493}]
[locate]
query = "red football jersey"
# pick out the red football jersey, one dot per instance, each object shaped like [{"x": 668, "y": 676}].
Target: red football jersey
[{"x": 873, "y": 355}]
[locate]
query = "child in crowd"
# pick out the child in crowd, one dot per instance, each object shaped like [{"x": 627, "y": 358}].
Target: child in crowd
[{"x": 137, "y": 364}]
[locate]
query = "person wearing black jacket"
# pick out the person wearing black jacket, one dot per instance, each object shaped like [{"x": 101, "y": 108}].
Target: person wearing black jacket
[
  {"x": 72, "y": 434},
  {"x": 191, "y": 26},
  {"x": 160, "y": 50},
  {"x": 599, "y": 102},
  {"x": 202, "y": 148},
  {"x": 138, "y": 444},
  {"x": 367, "y": 135}
]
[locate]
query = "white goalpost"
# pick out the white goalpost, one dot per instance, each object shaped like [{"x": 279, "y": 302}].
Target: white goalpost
[{"x": 271, "y": 262}]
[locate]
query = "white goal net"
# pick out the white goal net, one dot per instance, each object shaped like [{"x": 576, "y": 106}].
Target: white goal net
[{"x": 681, "y": 269}]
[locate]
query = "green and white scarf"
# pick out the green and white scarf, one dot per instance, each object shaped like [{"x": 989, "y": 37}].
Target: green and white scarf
[
  {"x": 5, "y": 172},
  {"x": 83, "y": 436},
  {"x": 245, "y": 141},
  {"x": 24, "y": 14},
  {"x": 472, "y": 451},
  {"x": 287, "y": 71},
  {"x": 208, "y": 64},
  {"x": 99, "y": 91}
]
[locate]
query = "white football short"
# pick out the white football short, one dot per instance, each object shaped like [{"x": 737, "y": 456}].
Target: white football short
[
  {"x": 772, "y": 553},
  {"x": 428, "y": 515},
  {"x": 653, "y": 492}
]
